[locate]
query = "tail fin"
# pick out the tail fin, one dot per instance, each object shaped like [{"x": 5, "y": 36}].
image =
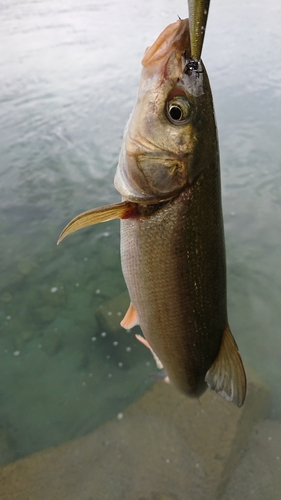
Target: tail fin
[{"x": 227, "y": 375}]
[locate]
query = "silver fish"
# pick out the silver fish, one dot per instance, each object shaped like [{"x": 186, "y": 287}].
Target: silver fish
[{"x": 172, "y": 238}]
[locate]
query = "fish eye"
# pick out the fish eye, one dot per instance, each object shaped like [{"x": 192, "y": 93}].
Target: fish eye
[{"x": 178, "y": 110}]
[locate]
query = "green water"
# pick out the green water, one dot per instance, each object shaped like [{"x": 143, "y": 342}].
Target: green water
[{"x": 68, "y": 80}]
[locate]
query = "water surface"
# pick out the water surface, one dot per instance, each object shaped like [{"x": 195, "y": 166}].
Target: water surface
[{"x": 69, "y": 76}]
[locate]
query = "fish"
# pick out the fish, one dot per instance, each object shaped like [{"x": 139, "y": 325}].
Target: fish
[{"x": 172, "y": 234}]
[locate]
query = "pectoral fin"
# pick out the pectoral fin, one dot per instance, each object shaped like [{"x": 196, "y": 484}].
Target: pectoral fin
[
  {"x": 122, "y": 210},
  {"x": 226, "y": 375}
]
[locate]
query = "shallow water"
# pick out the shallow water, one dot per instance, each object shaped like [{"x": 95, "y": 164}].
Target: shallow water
[{"x": 69, "y": 76}]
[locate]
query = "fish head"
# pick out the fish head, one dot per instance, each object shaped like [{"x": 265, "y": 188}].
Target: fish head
[{"x": 172, "y": 124}]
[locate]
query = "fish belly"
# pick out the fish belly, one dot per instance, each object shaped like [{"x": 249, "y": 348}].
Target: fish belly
[{"x": 173, "y": 261}]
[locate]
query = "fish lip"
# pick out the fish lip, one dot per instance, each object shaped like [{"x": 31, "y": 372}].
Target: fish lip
[{"x": 169, "y": 40}]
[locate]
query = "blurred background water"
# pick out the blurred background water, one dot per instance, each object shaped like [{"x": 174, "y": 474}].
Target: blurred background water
[{"x": 68, "y": 80}]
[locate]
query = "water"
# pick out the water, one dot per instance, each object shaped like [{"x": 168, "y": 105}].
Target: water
[{"x": 69, "y": 76}]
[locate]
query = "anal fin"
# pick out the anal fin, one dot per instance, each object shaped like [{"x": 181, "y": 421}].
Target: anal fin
[
  {"x": 144, "y": 342},
  {"x": 227, "y": 375}
]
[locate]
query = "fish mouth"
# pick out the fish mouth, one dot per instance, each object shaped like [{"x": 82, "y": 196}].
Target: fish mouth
[
  {"x": 174, "y": 37},
  {"x": 170, "y": 55}
]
